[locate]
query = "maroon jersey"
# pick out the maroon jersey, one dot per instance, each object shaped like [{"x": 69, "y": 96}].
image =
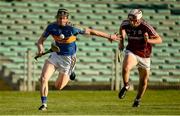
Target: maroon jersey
[{"x": 136, "y": 41}]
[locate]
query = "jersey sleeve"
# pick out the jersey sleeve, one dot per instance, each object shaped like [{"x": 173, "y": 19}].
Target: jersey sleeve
[
  {"x": 77, "y": 31},
  {"x": 46, "y": 32},
  {"x": 124, "y": 24},
  {"x": 151, "y": 31}
]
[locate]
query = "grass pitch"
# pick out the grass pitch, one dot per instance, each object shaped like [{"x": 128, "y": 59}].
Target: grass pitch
[{"x": 155, "y": 102}]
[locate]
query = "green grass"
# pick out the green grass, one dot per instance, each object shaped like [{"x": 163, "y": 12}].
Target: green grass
[{"x": 164, "y": 102}]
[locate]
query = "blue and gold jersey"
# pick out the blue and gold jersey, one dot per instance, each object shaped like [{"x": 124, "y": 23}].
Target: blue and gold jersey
[{"x": 67, "y": 45}]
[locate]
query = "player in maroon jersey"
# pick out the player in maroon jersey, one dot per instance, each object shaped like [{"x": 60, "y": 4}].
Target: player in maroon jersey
[{"x": 141, "y": 36}]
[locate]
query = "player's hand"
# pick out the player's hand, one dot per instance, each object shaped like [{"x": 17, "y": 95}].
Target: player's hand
[
  {"x": 87, "y": 31},
  {"x": 40, "y": 52},
  {"x": 114, "y": 37},
  {"x": 146, "y": 37}
]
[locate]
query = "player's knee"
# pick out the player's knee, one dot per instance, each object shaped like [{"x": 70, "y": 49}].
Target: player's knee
[
  {"x": 43, "y": 79},
  {"x": 58, "y": 86},
  {"x": 126, "y": 69}
]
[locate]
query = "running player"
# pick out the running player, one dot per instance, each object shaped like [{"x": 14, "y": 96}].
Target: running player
[
  {"x": 64, "y": 61},
  {"x": 141, "y": 36}
]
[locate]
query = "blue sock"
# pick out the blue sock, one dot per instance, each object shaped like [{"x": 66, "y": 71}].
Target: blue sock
[{"x": 44, "y": 99}]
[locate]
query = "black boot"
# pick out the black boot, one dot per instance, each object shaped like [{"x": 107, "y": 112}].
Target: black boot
[
  {"x": 72, "y": 76},
  {"x": 43, "y": 108},
  {"x": 123, "y": 91},
  {"x": 136, "y": 103}
]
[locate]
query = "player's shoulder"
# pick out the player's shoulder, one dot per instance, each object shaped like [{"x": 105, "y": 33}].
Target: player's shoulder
[
  {"x": 146, "y": 24},
  {"x": 68, "y": 27},
  {"x": 53, "y": 24},
  {"x": 125, "y": 22},
  {"x": 71, "y": 26},
  {"x": 148, "y": 27}
]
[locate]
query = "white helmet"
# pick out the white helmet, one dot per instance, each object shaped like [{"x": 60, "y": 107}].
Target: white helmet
[{"x": 135, "y": 14}]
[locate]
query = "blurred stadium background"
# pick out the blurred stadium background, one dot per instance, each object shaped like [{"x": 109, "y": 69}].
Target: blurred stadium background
[{"x": 23, "y": 21}]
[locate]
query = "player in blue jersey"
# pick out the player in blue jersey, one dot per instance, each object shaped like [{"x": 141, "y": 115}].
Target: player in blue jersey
[{"x": 64, "y": 61}]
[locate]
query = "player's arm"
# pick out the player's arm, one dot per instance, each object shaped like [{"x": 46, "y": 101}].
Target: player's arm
[
  {"x": 151, "y": 36},
  {"x": 122, "y": 32},
  {"x": 154, "y": 39},
  {"x": 40, "y": 44},
  {"x": 110, "y": 37}
]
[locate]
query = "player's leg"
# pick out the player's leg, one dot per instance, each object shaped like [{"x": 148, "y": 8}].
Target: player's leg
[
  {"x": 143, "y": 81},
  {"x": 129, "y": 62},
  {"x": 144, "y": 70},
  {"x": 143, "y": 75},
  {"x": 73, "y": 62},
  {"x": 62, "y": 81},
  {"x": 66, "y": 69},
  {"x": 48, "y": 70}
]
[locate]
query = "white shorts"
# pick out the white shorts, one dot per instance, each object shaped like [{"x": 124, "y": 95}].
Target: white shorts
[
  {"x": 64, "y": 64},
  {"x": 141, "y": 62}
]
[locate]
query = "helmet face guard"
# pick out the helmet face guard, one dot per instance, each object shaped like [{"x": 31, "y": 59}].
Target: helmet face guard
[
  {"x": 62, "y": 12},
  {"x": 134, "y": 17},
  {"x": 62, "y": 17}
]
